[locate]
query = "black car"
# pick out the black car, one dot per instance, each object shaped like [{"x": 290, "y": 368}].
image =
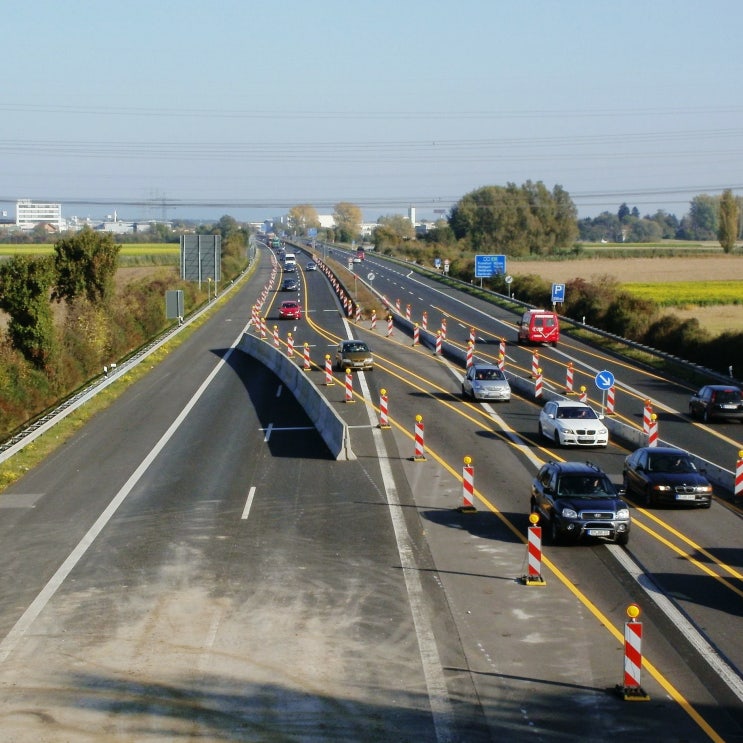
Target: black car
[
  {"x": 290, "y": 285},
  {"x": 576, "y": 500},
  {"x": 722, "y": 401},
  {"x": 662, "y": 474}
]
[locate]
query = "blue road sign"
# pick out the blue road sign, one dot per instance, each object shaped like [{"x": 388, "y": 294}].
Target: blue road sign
[
  {"x": 604, "y": 380},
  {"x": 489, "y": 265},
  {"x": 558, "y": 293}
]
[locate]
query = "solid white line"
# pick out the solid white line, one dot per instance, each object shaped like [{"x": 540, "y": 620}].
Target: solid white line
[
  {"x": 438, "y": 694},
  {"x": 23, "y": 625},
  {"x": 248, "y": 503}
]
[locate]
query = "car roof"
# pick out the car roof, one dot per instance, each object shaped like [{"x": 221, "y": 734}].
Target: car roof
[
  {"x": 733, "y": 387},
  {"x": 664, "y": 450},
  {"x": 485, "y": 366},
  {"x": 578, "y": 468}
]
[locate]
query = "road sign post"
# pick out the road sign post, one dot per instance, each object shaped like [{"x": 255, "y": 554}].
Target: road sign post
[{"x": 604, "y": 381}]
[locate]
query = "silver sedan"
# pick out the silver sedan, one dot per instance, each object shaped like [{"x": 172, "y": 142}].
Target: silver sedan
[{"x": 486, "y": 382}]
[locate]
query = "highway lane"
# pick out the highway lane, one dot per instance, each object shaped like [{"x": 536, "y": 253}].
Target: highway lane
[
  {"x": 716, "y": 530},
  {"x": 184, "y": 620}
]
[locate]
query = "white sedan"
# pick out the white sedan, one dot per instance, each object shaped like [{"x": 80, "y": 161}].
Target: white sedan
[{"x": 572, "y": 423}]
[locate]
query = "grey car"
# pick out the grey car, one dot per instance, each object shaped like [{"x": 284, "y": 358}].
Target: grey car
[{"x": 486, "y": 382}]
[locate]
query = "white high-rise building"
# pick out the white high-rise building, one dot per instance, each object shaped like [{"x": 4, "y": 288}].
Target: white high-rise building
[
  {"x": 30, "y": 213},
  {"x": 411, "y": 215}
]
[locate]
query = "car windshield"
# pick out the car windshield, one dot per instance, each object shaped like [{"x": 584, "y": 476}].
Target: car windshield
[
  {"x": 355, "y": 347},
  {"x": 576, "y": 412},
  {"x": 670, "y": 463},
  {"x": 290, "y": 305},
  {"x": 489, "y": 374},
  {"x": 586, "y": 486}
]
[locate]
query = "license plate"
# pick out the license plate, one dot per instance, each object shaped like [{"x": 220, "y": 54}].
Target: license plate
[
  {"x": 685, "y": 496},
  {"x": 599, "y": 532}
]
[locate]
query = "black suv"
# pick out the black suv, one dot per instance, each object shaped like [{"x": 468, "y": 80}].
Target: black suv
[
  {"x": 576, "y": 500},
  {"x": 717, "y": 401}
]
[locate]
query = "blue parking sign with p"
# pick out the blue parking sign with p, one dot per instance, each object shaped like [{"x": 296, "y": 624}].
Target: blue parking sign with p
[{"x": 558, "y": 293}]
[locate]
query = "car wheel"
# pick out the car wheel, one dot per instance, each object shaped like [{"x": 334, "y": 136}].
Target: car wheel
[
  {"x": 705, "y": 416},
  {"x": 554, "y": 532},
  {"x": 541, "y": 431},
  {"x": 649, "y": 499},
  {"x": 464, "y": 393},
  {"x": 622, "y": 539},
  {"x": 556, "y": 438}
]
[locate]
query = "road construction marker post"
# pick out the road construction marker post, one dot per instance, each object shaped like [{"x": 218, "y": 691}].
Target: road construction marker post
[
  {"x": 289, "y": 345},
  {"x": 384, "y": 421},
  {"x": 307, "y": 363},
  {"x": 276, "y": 341},
  {"x": 424, "y": 321},
  {"x": 328, "y": 370},
  {"x": 468, "y": 487},
  {"x": 349, "y": 386},
  {"x": 443, "y": 328},
  {"x": 438, "y": 343},
  {"x": 653, "y": 431},
  {"x": 646, "y": 414},
  {"x": 502, "y": 347},
  {"x": 583, "y": 397},
  {"x": 419, "y": 455},
  {"x": 263, "y": 328},
  {"x": 534, "y": 364},
  {"x": 408, "y": 309},
  {"x": 569, "y": 379},
  {"x": 416, "y": 335},
  {"x": 738, "y": 489},
  {"x": 533, "y": 575},
  {"x": 470, "y": 350},
  {"x": 374, "y": 320},
  {"x": 538, "y": 384},
  {"x": 389, "y": 325},
  {"x": 610, "y": 400},
  {"x": 501, "y": 361},
  {"x": 472, "y": 336},
  {"x": 630, "y": 690}
]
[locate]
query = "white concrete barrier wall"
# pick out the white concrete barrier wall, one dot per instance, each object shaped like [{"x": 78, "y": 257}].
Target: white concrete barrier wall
[{"x": 329, "y": 424}]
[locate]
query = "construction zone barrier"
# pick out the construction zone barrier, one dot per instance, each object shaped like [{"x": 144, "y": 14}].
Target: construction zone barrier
[
  {"x": 738, "y": 489},
  {"x": 538, "y": 384},
  {"x": 374, "y": 320},
  {"x": 290, "y": 345},
  {"x": 569, "y": 379},
  {"x": 470, "y": 352},
  {"x": 534, "y": 364},
  {"x": 416, "y": 335},
  {"x": 468, "y": 487},
  {"x": 647, "y": 412},
  {"x": 328, "y": 371},
  {"x": 631, "y": 690},
  {"x": 437, "y": 350},
  {"x": 349, "y": 386},
  {"x": 443, "y": 328},
  {"x": 653, "y": 431},
  {"x": 263, "y": 329},
  {"x": 472, "y": 336},
  {"x": 307, "y": 363},
  {"x": 533, "y": 575},
  {"x": 611, "y": 398},
  {"x": 424, "y": 321},
  {"x": 583, "y": 396},
  {"x": 384, "y": 421},
  {"x": 276, "y": 341},
  {"x": 390, "y": 327},
  {"x": 419, "y": 452}
]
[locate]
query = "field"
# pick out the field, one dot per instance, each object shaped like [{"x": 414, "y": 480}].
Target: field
[{"x": 705, "y": 287}]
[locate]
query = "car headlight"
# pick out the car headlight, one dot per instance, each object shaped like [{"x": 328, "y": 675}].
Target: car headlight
[
  {"x": 623, "y": 513},
  {"x": 662, "y": 488},
  {"x": 569, "y": 513},
  {"x": 704, "y": 489}
]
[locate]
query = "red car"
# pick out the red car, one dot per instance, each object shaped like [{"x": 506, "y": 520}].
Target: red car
[{"x": 290, "y": 310}]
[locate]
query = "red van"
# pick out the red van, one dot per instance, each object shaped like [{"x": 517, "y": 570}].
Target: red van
[{"x": 539, "y": 326}]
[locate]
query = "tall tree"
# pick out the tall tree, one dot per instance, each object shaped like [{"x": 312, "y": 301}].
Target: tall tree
[
  {"x": 391, "y": 231},
  {"x": 302, "y": 217},
  {"x": 86, "y": 264},
  {"x": 348, "y": 218},
  {"x": 25, "y": 283},
  {"x": 727, "y": 231},
  {"x": 702, "y": 217}
]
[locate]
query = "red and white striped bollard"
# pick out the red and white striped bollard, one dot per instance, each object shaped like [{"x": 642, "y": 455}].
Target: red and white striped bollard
[
  {"x": 630, "y": 688},
  {"x": 289, "y": 345},
  {"x": 738, "y": 489},
  {"x": 416, "y": 335},
  {"x": 384, "y": 421},
  {"x": 390, "y": 327},
  {"x": 328, "y": 371},
  {"x": 424, "y": 321},
  {"x": 437, "y": 350},
  {"x": 374, "y": 320},
  {"x": 276, "y": 341},
  {"x": 307, "y": 363},
  {"x": 349, "y": 386},
  {"x": 443, "y": 328},
  {"x": 468, "y": 487},
  {"x": 470, "y": 352},
  {"x": 408, "y": 310},
  {"x": 472, "y": 336},
  {"x": 569, "y": 379},
  {"x": 264, "y": 331},
  {"x": 419, "y": 455},
  {"x": 534, "y": 364},
  {"x": 647, "y": 412},
  {"x": 611, "y": 397},
  {"x": 538, "y": 384},
  {"x": 533, "y": 575},
  {"x": 653, "y": 431},
  {"x": 583, "y": 397}
]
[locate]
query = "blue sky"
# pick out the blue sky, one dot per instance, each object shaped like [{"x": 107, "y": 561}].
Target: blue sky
[{"x": 246, "y": 108}]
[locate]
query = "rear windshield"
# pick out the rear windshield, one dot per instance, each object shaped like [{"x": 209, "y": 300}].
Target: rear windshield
[
  {"x": 489, "y": 374},
  {"x": 723, "y": 396},
  {"x": 355, "y": 347}
]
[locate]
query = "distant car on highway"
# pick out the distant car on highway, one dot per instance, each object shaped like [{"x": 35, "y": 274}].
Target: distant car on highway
[
  {"x": 572, "y": 423},
  {"x": 665, "y": 475},
  {"x": 717, "y": 401},
  {"x": 353, "y": 354},
  {"x": 486, "y": 382},
  {"x": 577, "y": 500},
  {"x": 311, "y": 266},
  {"x": 290, "y": 285},
  {"x": 290, "y": 310}
]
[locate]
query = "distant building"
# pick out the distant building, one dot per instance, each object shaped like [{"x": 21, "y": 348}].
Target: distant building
[{"x": 30, "y": 213}]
